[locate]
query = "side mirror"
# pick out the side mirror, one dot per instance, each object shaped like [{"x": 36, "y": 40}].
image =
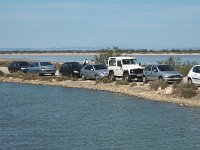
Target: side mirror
[{"x": 139, "y": 64}]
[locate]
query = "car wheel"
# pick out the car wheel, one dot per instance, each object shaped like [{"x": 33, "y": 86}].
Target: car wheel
[
  {"x": 39, "y": 74},
  {"x": 53, "y": 74},
  {"x": 189, "y": 81},
  {"x": 83, "y": 77},
  {"x": 112, "y": 76},
  {"x": 126, "y": 77},
  {"x": 160, "y": 78},
  {"x": 96, "y": 77},
  {"x": 10, "y": 71},
  {"x": 144, "y": 79}
]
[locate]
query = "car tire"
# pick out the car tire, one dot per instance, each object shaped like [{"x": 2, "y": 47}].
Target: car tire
[
  {"x": 160, "y": 78},
  {"x": 126, "y": 77},
  {"x": 190, "y": 81},
  {"x": 144, "y": 79},
  {"x": 83, "y": 77},
  {"x": 96, "y": 77},
  {"x": 112, "y": 76},
  {"x": 53, "y": 74}
]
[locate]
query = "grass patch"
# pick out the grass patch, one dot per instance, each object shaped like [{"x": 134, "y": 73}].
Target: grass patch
[
  {"x": 121, "y": 82},
  {"x": 133, "y": 84},
  {"x": 185, "y": 90},
  {"x": 103, "y": 80},
  {"x": 1, "y": 73},
  {"x": 4, "y": 63},
  {"x": 156, "y": 84}
]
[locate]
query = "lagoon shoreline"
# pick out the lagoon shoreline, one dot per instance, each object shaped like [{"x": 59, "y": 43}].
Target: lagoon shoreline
[{"x": 139, "y": 90}]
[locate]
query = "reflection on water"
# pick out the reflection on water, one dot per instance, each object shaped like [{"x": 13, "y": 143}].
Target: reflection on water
[{"x": 43, "y": 117}]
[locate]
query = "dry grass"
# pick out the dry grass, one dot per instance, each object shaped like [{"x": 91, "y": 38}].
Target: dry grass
[{"x": 156, "y": 84}]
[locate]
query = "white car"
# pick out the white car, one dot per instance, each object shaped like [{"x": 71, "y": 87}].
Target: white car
[{"x": 194, "y": 75}]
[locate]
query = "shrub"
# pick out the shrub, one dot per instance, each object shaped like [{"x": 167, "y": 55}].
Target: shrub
[
  {"x": 5, "y": 63},
  {"x": 1, "y": 73},
  {"x": 104, "y": 80},
  {"x": 183, "y": 67},
  {"x": 156, "y": 84},
  {"x": 121, "y": 82},
  {"x": 133, "y": 84},
  {"x": 62, "y": 78},
  {"x": 185, "y": 90}
]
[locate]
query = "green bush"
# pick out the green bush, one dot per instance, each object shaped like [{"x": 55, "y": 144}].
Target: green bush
[
  {"x": 1, "y": 73},
  {"x": 183, "y": 67},
  {"x": 156, "y": 84},
  {"x": 104, "y": 80},
  {"x": 185, "y": 90},
  {"x": 62, "y": 78},
  {"x": 121, "y": 82},
  {"x": 133, "y": 84}
]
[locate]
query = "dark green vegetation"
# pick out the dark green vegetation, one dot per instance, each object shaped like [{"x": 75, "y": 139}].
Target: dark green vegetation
[
  {"x": 158, "y": 84},
  {"x": 5, "y": 63},
  {"x": 104, "y": 54},
  {"x": 104, "y": 80},
  {"x": 131, "y": 50},
  {"x": 183, "y": 67},
  {"x": 1, "y": 73},
  {"x": 121, "y": 82},
  {"x": 185, "y": 90}
]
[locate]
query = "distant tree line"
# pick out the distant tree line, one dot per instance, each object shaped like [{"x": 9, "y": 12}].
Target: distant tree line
[{"x": 118, "y": 50}]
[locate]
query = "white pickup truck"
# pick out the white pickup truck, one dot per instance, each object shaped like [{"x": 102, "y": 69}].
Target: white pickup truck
[{"x": 124, "y": 67}]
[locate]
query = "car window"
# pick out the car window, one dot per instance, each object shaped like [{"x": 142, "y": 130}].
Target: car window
[
  {"x": 119, "y": 63},
  {"x": 129, "y": 61},
  {"x": 99, "y": 67},
  {"x": 196, "y": 69},
  {"x": 165, "y": 68},
  {"x": 36, "y": 64},
  {"x": 112, "y": 62},
  {"x": 154, "y": 68},
  {"x": 88, "y": 67},
  {"x": 45, "y": 63},
  {"x": 148, "y": 68}
]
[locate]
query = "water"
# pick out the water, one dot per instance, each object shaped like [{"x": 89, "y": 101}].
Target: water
[
  {"x": 144, "y": 59},
  {"x": 44, "y": 117}
]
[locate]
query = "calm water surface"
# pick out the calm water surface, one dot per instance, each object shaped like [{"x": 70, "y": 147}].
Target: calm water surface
[
  {"x": 43, "y": 117},
  {"x": 144, "y": 59}
]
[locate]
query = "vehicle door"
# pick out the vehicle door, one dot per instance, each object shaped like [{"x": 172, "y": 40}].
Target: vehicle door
[
  {"x": 89, "y": 71},
  {"x": 14, "y": 66},
  {"x": 119, "y": 68},
  {"x": 154, "y": 73},
  {"x": 34, "y": 68},
  {"x": 196, "y": 74},
  {"x": 63, "y": 69},
  {"x": 147, "y": 72}
]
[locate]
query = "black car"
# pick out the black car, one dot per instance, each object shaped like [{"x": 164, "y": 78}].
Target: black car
[
  {"x": 71, "y": 69},
  {"x": 18, "y": 66}
]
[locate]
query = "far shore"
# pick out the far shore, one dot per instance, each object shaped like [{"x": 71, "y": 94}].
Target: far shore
[{"x": 96, "y": 53}]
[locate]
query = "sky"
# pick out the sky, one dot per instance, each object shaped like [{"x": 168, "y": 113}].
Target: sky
[{"x": 151, "y": 24}]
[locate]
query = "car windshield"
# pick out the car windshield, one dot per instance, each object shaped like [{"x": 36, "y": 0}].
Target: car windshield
[
  {"x": 45, "y": 63},
  {"x": 165, "y": 68},
  {"x": 129, "y": 61},
  {"x": 23, "y": 64},
  {"x": 99, "y": 67}
]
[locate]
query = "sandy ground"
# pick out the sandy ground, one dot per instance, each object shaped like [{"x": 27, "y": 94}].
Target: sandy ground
[{"x": 139, "y": 90}]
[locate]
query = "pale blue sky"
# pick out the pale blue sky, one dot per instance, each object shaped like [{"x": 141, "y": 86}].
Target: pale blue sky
[{"x": 100, "y": 23}]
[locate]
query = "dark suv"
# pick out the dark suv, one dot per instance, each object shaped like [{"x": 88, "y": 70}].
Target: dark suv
[
  {"x": 18, "y": 66},
  {"x": 71, "y": 69}
]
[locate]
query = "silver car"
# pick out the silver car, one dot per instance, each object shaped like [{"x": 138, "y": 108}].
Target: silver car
[
  {"x": 161, "y": 72},
  {"x": 94, "y": 71},
  {"x": 42, "y": 68}
]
